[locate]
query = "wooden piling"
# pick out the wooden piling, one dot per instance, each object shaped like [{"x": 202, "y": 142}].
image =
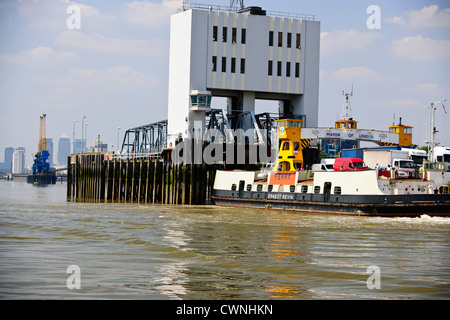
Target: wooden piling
[{"x": 99, "y": 178}]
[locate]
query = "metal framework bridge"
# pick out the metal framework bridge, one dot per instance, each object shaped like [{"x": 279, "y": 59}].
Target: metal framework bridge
[
  {"x": 145, "y": 140},
  {"x": 151, "y": 139}
]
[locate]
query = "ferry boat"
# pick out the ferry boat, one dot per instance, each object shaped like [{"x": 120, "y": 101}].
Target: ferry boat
[{"x": 357, "y": 191}]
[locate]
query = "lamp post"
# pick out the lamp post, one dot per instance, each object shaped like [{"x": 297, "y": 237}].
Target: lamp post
[
  {"x": 82, "y": 132},
  {"x": 85, "y": 136},
  {"x": 73, "y": 136},
  {"x": 118, "y": 129}
]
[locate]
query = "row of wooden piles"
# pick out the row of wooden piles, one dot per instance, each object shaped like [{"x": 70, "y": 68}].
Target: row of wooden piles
[{"x": 97, "y": 178}]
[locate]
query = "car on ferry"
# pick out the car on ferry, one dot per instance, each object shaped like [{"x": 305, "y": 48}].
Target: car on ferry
[{"x": 349, "y": 164}]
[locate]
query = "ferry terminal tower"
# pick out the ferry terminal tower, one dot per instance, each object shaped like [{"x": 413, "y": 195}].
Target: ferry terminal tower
[{"x": 243, "y": 55}]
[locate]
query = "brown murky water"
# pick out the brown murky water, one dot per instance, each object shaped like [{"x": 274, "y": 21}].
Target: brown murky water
[{"x": 130, "y": 251}]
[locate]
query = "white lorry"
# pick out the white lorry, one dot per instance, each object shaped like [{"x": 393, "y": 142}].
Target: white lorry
[{"x": 398, "y": 159}]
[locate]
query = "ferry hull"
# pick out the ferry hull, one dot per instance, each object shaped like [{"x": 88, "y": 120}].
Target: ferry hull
[{"x": 362, "y": 205}]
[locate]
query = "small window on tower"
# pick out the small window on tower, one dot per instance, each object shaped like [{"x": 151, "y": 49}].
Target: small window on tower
[
  {"x": 214, "y": 33},
  {"x": 224, "y": 64},
  {"x": 270, "y": 67},
  {"x": 297, "y": 42},
  {"x": 214, "y": 63},
  {"x": 243, "y": 35},
  {"x": 224, "y": 34},
  {"x": 233, "y": 65}
]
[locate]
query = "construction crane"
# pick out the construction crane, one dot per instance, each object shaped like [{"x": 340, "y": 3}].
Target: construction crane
[{"x": 41, "y": 169}]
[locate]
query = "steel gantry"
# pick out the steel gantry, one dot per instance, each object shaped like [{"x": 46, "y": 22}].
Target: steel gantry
[{"x": 146, "y": 139}]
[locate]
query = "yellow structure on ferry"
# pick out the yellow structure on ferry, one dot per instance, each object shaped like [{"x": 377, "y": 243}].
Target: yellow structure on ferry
[
  {"x": 404, "y": 133},
  {"x": 290, "y": 155}
]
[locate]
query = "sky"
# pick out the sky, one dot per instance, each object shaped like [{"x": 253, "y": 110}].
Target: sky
[{"x": 113, "y": 66}]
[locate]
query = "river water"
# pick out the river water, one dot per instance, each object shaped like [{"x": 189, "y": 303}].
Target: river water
[{"x": 133, "y": 251}]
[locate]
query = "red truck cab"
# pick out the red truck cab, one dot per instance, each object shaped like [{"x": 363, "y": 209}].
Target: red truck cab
[{"x": 349, "y": 164}]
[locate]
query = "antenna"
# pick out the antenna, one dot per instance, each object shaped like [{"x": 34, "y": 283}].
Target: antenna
[
  {"x": 237, "y": 3},
  {"x": 347, "y": 109}
]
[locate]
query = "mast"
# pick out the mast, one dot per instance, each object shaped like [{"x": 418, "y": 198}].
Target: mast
[
  {"x": 238, "y": 3},
  {"x": 347, "y": 109},
  {"x": 433, "y": 143}
]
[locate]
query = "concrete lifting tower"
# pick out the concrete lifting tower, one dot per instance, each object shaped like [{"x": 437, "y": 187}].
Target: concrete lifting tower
[{"x": 243, "y": 54}]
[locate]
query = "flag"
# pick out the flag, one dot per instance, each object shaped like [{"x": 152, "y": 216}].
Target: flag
[{"x": 444, "y": 108}]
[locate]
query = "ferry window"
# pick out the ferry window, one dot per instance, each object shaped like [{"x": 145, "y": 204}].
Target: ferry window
[
  {"x": 259, "y": 187},
  {"x": 296, "y": 145},
  {"x": 270, "y": 188},
  {"x": 243, "y": 34},
  {"x": 270, "y": 67},
  {"x": 214, "y": 63},
  {"x": 224, "y": 64},
  {"x": 304, "y": 189},
  {"x": 317, "y": 189},
  {"x": 233, "y": 65},
  {"x": 297, "y": 42},
  {"x": 249, "y": 187},
  {"x": 297, "y": 69},
  {"x": 279, "y": 68},
  {"x": 337, "y": 190},
  {"x": 224, "y": 34},
  {"x": 214, "y": 33},
  {"x": 408, "y": 130},
  {"x": 280, "y": 39},
  {"x": 242, "y": 65},
  {"x": 342, "y": 124},
  {"x": 288, "y": 69},
  {"x": 233, "y": 35},
  {"x": 285, "y": 145},
  {"x": 270, "y": 38},
  {"x": 292, "y": 188},
  {"x": 290, "y": 123},
  {"x": 297, "y": 124},
  {"x": 289, "y": 39},
  {"x": 233, "y": 187}
]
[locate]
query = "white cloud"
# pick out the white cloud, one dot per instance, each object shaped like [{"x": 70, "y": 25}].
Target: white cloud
[
  {"x": 421, "y": 48},
  {"x": 346, "y": 40},
  {"x": 396, "y": 20},
  {"x": 100, "y": 43},
  {"x": 111, "y": 79},
  {"x": 52, "y": 15},
  {"x": 357, "y": 74},
  {"x": 430, "y": 16},
  {"x": 150, "y": 13},
  {"x": 39, "y": 57},
  {"x": 96, "y": 90}
]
